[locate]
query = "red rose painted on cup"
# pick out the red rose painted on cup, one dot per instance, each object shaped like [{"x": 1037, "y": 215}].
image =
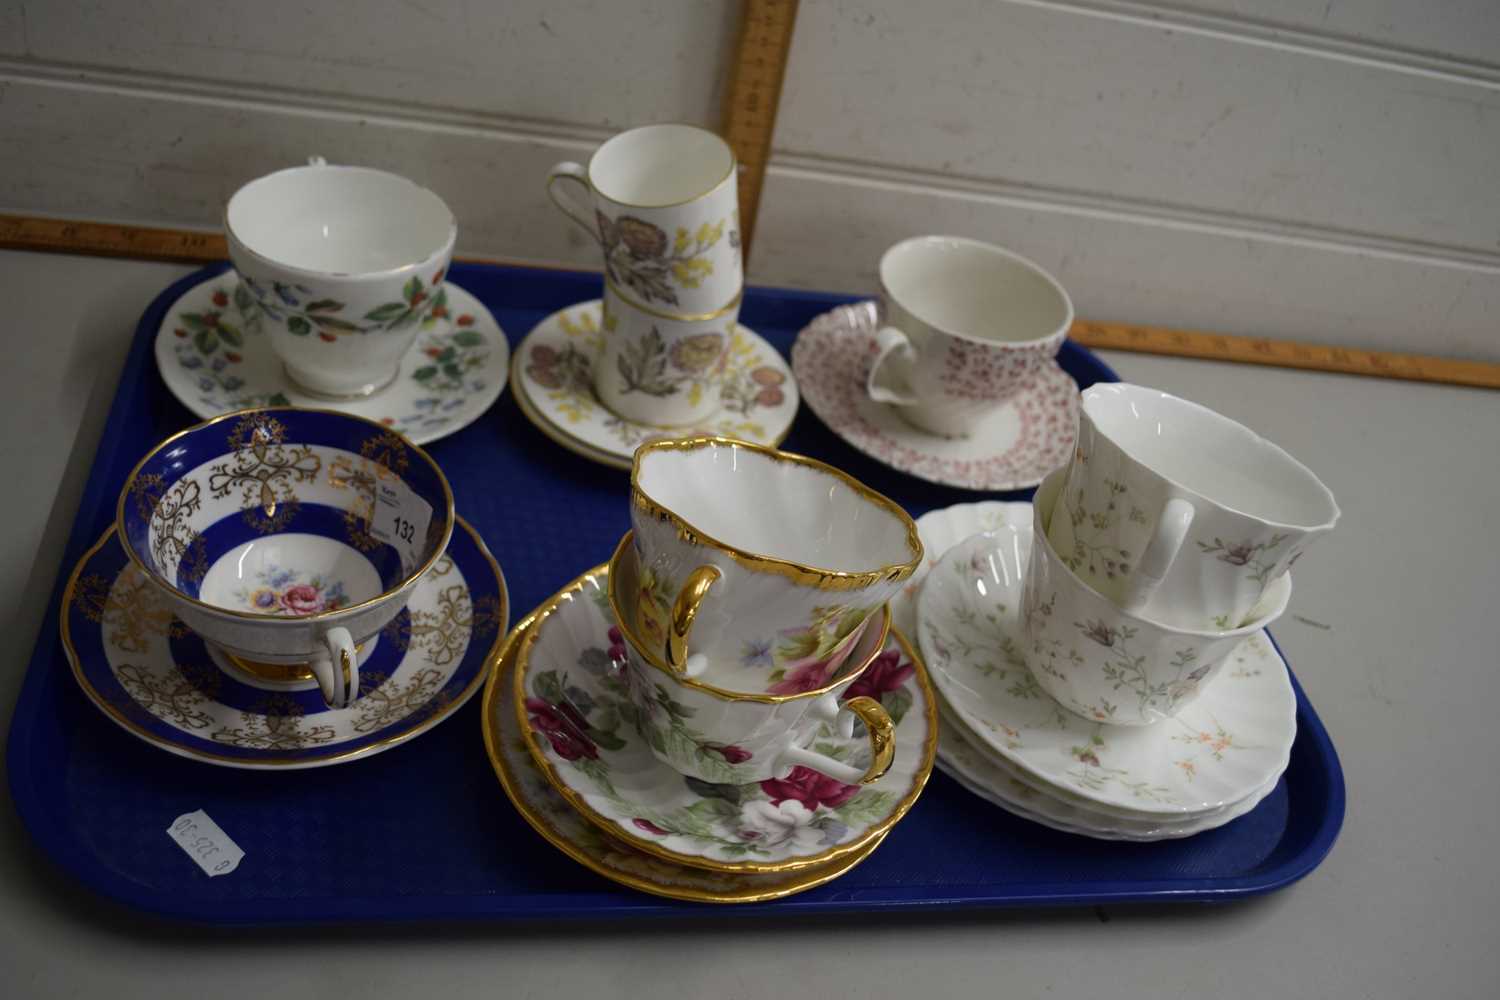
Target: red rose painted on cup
[{"x": 810, "y": 788}]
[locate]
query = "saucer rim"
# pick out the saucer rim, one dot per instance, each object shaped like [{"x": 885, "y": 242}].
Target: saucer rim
[
  {"x": 920, "y": 774},
  {"x": 490, "y": 704},
  {"x": 593, "y": 453},
  {"x": 75, "y": 663},
  {"x": 1282, "y": 760},
  {"x": 420, "y": 438},
  {"x": 828, "y": 324}
]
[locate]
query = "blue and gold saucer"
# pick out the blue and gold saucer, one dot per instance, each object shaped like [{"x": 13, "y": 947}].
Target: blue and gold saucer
[{"x": 154, "y": 677}]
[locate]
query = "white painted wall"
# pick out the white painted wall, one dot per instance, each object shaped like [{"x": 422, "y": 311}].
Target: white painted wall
[{"x": 1324, "y": 170}]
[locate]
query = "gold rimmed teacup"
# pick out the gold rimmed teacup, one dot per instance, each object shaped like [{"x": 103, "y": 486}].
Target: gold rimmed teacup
[{"x": 741, "y": 546}]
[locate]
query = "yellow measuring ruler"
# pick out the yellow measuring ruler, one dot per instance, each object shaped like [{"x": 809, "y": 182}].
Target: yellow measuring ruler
[
  {"x": 760, "y": 59},
  {"x": 21, "y": 232},
  {"x": 1284, "y": 354}
]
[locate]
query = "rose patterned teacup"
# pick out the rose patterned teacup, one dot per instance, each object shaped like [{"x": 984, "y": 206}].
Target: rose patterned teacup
[
  {"x": 287, "y": 538},
  {"x": 345, "y": 262},
  {"x": 663, "y": 203},
  {"x": 965, "y": 325},
  {"x": 733, "y": 737},
  {"x": 758, "y": 565},
  {"x": 659, "y": 370},
  {"x": 1178, "y": 513},
  {"x": 1106, "y": 664}
]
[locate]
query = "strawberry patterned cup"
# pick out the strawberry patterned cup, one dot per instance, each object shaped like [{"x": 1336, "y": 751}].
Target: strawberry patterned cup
[
  {"x": 345, "y": 262},
  {"x": 967, "y": 325}
]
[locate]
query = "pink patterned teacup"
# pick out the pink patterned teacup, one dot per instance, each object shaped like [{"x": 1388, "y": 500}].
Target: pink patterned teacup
[{"x": 966, "y": 324}]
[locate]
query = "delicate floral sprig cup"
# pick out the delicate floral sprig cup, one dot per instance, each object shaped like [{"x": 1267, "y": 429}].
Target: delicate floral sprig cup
[
  {"x": 661, "y": 370},
  {"x": 287, "y": 537},
  {"x": 663, "y": 203},
  {"x": 750, "y": 556},
  {"x": 1106, "y": 664},
  {"x": 729, "y": 736},
  {"x": 965, "y": 325},
  {"x": 345, "y": 262},
  {"x": 1178, "y": 513}
]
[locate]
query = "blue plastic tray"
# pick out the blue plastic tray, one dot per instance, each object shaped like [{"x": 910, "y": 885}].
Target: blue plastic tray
[{"x": 424, "y": 831}]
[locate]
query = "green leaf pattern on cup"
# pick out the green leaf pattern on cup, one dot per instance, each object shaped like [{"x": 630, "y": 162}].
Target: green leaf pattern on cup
[{"x": 304, "y": 315}]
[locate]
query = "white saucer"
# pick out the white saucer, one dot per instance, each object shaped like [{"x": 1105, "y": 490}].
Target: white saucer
[
  {"x": 553, "y": 383},
  {"x": 1217, "y": 752},
  {"x": 215, "y": 357},
  {"x": 1012, "y": 448},
  {"x": 962, "y": 758}
]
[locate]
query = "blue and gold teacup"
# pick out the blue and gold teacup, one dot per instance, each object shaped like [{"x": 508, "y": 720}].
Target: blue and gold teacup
[{"x": 287, "y": 538}]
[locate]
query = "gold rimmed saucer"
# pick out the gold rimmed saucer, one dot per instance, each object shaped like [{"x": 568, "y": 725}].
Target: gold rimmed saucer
[
  {"x": 560, "y": 825},
  {"x": 571, "y": 706},
  {"x": 551, "y": 376}
]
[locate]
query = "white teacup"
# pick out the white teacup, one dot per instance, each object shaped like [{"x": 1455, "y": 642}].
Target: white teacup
[
  {"x": 663, "y": 203},
  {"x": 1178, "y": 513},
  {"x": 966, "y": 324},
  {"x": 759, "y": 568},
  {"x": 1109, "y": 665},
  {"x": 345, "y": 263},
  {"x": 661, "y": 370},
  {"x": 742, "y": 737}
]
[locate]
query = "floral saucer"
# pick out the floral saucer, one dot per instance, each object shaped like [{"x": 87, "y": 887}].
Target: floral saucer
[
  {"x": 571, "y": 696},
  {"x": 962, "y": 758},
  {"x": 147, "y": 672},
  {"x": 1012, "y": 448},
  {"x": 552, "y": 377},
  {"x": 215, "y": 358},
  {"x": 564, "y": 827},
  {"x": 1234, "y": 739}
]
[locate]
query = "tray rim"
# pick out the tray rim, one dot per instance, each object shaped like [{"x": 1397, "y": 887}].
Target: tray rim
[{"x": 606, "y": 904}]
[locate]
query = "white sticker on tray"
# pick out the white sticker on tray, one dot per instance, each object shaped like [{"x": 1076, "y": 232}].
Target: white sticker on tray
[
  {"x": 205, "y": 842},
  {"x": 401, "y": 519}
]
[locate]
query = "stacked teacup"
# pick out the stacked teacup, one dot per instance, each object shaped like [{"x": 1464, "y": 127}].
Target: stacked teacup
[
  {"x": 725, "y": 612},
  {"x": 663, "y": 204},
  {"x": 1142, "y": 575}
]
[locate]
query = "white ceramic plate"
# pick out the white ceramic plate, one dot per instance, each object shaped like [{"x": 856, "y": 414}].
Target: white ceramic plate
[
  {"x": 215, "y": 358},
  {"x": 1217, "y": 752},
  {"x": 961, "y": 757}
]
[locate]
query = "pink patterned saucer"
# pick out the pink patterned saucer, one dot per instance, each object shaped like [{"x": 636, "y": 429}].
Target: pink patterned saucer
[{"x": 1012, "y": 448}]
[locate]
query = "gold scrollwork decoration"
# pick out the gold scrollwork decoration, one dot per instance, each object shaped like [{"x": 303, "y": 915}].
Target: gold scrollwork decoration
[
  {"x": 129, "y": 608},
  {"x": 173, "y": 698},
  {"x": 388, "y": 703},
  {"x": 265, "y": 469},
  {"x": 275, "y": 724}
]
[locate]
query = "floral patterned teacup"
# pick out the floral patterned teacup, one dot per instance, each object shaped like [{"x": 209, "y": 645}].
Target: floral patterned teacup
[
  {"x": 662, "y": 371},
  {"x": 1106, "y": 664},
  {"x": 1178, "y": 513},
  {"x": 345, "y": 262},
  {"x": 756, "y": 564},
  {"x": 287, "y": 537},
  {"x": 732, "y": 737},
  {"x": 966, "y": 324},
  {"x": 663, "y": 203}
]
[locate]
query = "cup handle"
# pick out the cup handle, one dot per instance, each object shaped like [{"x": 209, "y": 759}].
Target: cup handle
[
  {"x": 1166, "y": 541},
  {"x": 881, "y": 732},
  {"x": 684, "y": 611},
  {"x": 889, "y": 339},
  {"x": 337, "y": 669},
  {"x": 581, "y": 214}
]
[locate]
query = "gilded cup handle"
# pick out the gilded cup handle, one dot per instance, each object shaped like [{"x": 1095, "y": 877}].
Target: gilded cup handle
[
  {"x": 882, "y": 733},
  {"x": 337, "y": 669},
  {"x": 684, "y": 611},
  {"x": 578, "y": 212}
]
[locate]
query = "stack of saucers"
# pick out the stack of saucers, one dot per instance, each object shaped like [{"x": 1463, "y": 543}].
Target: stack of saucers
[
  {"x": 1114, "y": 678},
  {"x": 705, "y": 718}
]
